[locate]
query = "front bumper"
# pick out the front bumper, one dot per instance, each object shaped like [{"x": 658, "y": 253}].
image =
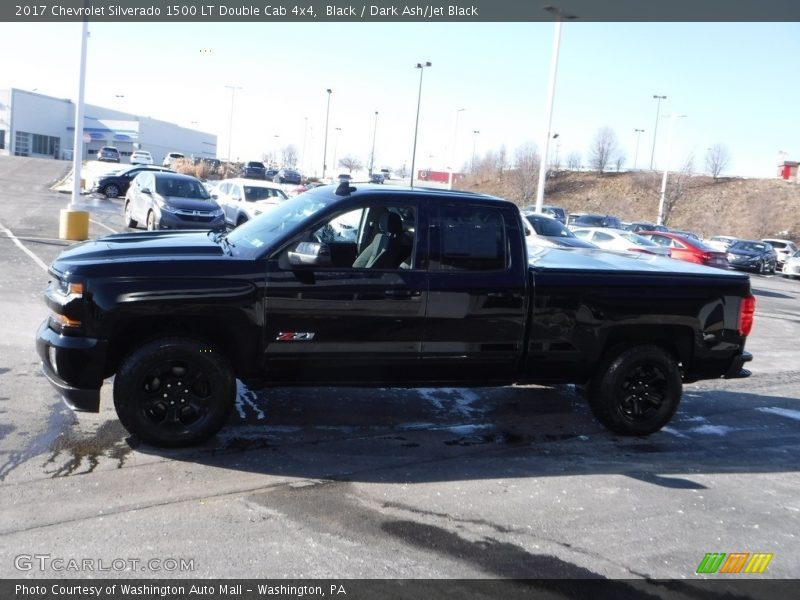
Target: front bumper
[{"x": 73, "y": 366}]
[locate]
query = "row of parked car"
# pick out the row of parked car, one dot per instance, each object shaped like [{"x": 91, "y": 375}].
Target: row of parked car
[{"x": 607, "y": 231}]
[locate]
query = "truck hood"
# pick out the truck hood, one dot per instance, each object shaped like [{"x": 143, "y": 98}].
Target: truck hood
[{"x": 151, "y": 245}]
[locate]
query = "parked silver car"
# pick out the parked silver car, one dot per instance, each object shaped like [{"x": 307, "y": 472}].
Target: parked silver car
[{"x": 791, "y": 268}]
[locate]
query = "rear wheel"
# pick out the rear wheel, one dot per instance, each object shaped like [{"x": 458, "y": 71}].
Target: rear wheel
[
  {"x": 761, "y": 268},
  {"x": 129, "y": 221},
  {"x": 636, "y": 391},
  {"x": 174, "y": 392},
  {"x": 241, "y": 220}
]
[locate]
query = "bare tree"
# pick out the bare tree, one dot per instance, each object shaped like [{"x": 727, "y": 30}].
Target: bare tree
[
  {"x": 525, "y": 174},
  {"x": 351, "y": 163},
  {"x": 717, "y": 160},
  {"x": 619, "y": 160},
  {"x": 677, "y": 185},
  {"x": 289, "y": 155},
  {"x": 574, "y": 161},
  {"x": 603, "y": 149}
]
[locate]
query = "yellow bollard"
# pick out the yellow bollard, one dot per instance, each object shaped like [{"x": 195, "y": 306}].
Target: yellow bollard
[{"x": 73, "y": 225}]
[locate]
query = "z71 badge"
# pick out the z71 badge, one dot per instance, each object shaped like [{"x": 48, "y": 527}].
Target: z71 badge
[{"x": 295, "y": 336}]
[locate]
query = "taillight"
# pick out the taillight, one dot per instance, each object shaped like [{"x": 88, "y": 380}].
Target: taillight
[{"x": 746, "y": 310}]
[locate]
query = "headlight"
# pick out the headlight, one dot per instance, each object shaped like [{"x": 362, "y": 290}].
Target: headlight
[{"x": 166, "y": 207}]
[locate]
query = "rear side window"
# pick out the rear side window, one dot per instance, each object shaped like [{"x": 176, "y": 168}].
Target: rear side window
[{"x": 469, "y": 238}]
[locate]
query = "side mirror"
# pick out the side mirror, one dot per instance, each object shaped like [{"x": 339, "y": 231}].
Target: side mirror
[
  {"x": 215, "y": 196},
  {"x": 310, "y": 254}
]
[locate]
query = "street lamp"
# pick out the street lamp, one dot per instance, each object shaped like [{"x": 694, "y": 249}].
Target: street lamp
[
  {"x": 673, "y": 118},
  {"x": 560, "y": 16},
  {"x": 119, "y": 98},
  {"x": 303, "y": 152},
  {"x": 336, "y": 146},
  {"x": 421, "y": 67},
  {"x": 655, "y": 128},
  {"x": 639, "y": 133},
  {"x": 453, "y": 153},
  {"x": 277, "y": 150},
  {"x": 475, "y": 133},
  {"x": 325, "y": 145},
  {"x": 374, "y": 135},
  {"x": 233, "y": 89}
]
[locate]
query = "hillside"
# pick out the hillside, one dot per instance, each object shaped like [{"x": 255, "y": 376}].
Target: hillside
[{"x": 748, "y": 208}]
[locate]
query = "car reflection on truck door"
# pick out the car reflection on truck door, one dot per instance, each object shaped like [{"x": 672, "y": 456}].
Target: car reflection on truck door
[
  {"x": 477, "y": 294},
  {"x": 359, "y": 315}
]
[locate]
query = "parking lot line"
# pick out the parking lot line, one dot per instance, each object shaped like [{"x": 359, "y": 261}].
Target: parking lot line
[
  {"x": 103, "y": 225},
  {"x": 22, "y": 247}
]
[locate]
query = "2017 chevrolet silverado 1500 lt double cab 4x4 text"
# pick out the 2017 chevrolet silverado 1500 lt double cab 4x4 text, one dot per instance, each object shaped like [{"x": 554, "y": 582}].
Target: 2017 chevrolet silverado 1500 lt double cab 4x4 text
[{"x": 379, "y": 286}]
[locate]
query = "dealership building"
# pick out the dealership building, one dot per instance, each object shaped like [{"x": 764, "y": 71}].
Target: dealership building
[{"x": 33, "y": 124}]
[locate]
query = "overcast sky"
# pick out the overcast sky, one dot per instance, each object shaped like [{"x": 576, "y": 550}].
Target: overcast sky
[{"x": 736, "y": 83}]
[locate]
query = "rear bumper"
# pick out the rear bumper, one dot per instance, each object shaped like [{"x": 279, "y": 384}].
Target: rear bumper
[
  {"x": 73, "y": 366},
  {"x": 737, "y": 370}
]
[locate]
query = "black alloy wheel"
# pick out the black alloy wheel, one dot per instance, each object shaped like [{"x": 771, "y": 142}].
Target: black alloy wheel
[
  {"x": 175, "y": 392},
  {"x": 637, "y": 391}
]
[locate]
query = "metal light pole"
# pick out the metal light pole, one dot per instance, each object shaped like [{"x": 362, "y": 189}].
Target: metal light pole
[
  {"x": 325, "y": 145},
  {"x": 639, "y": 133},
  {"x": 421, "y": 67},
  {"x": 303, "y": 152},
  {"x": 374, "y": 135},
  {"x": 475, "y": 133},
  {"x": 233, "y": 89},
  {"x": 336, "y": 146},
  {"x": 451, "y": 177},
  {"x": 73, "y": 224},
  {"x": 655, "y": 128},
  {"x": 660, "y": 220},
  {"x": 276, "y": 151},
  {"x": 551, "y": 92}
]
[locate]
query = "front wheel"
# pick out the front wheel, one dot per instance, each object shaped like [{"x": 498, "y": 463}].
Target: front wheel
[
  {"x": 129, "y": 220},
  {"x": 151, "y": 221},
  {"x": 174, "y": 392},
  {"x": 111, "y": 191},
  {"x": 637, "y": 391}
]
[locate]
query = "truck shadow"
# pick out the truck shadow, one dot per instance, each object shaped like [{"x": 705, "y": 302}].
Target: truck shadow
[{"x": 398, "y": 435}]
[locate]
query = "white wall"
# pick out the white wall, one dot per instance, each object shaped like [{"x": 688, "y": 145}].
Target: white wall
[{"x": 34, "y": 113}]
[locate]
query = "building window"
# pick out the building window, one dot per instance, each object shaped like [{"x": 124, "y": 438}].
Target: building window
[
  {"x": 45, "y": 144},
  {"x": 22, "y": 143}
]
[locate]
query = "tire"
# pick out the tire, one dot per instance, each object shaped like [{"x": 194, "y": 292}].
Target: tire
[
  {"x": 129, "y": 221},
  {"x": 241, "y": 220},
  {"x": 761, "y": 268},
  {"x": 111, "y": 191},
  {"x": 151, "y": 221},
  {"x": 174, "y": 392},
  {"x": 636, "y": 391}
]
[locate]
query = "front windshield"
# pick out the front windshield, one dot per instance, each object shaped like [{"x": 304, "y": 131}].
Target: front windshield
[
  {"x": 549, "y": 227},
  {"x": 259, "y": 233},
  {"x": 181, "y": 188}
]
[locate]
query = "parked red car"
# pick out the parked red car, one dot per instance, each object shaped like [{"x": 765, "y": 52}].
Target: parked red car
[{"x": 688, "y": 249}]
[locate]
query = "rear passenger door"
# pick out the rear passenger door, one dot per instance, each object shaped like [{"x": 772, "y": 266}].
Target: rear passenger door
[{"x": 477, "y": 298}]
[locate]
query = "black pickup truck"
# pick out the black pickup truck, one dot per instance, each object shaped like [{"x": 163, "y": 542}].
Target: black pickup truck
[{"x": 379, "y": 286}]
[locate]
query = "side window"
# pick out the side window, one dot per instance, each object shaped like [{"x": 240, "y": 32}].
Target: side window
[
  {"x": 469, "y": 238},
  {"x": 236, "y": 192},
  {"x": 602, "y": 237},
  {"x": 223, "y": 188},
  {"x": 371, "y": 237},
  {"x": 677, "y": 244}
]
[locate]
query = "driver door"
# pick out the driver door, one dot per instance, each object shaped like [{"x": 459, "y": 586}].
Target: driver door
[{"x": 330, "y": 321}]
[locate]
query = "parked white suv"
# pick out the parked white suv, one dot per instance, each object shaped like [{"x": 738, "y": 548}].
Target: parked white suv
[
  {"x": 171, "y": 157},
  {"x": 783, "y": 249}
]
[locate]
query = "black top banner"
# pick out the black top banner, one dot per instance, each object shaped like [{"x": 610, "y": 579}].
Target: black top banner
[{"x": 398, "y": 11}]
